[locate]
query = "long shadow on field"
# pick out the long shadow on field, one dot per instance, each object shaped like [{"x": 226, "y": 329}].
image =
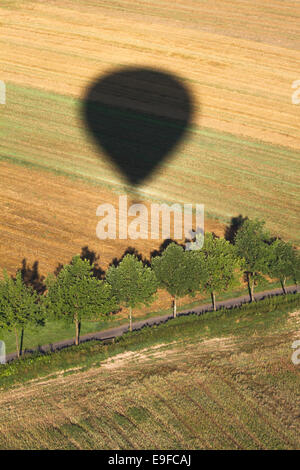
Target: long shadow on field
[
  {"x": 137, "y": 117},
  {"x": 32, "y": 277}
]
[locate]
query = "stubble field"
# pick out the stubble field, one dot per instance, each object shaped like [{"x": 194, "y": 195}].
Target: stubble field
[
  {"x": 222, "y": 382},
  {"x": 241, "y": 152}
]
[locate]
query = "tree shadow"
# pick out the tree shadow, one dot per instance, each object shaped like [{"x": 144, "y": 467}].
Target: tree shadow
[
  {"x": 92, "y": 257},
  {"x": 32, "y": 277},
  {"x": 130, "y": 251},
  {"x": 232, "y": 229},
  {"x": 58, "y": 268},
  {"x": 163, "y": 246}
]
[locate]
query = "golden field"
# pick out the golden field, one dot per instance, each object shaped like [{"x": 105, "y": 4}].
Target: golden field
[{"x": 240, "y": 155}]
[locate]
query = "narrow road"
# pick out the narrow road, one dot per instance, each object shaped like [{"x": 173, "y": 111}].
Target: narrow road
[{"x": 119, "y": 330}]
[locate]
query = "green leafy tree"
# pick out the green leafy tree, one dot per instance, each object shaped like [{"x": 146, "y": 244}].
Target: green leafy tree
[
  {"x": 176, "y": 272},
  {"x": 283, "y": 262},
  {"x": 252, "y": 245},
  {"x": 76, "y": 295},
  {"x": 296, "y": 268},
  {"x": 132, "y": 283},
  {"x": 19, "y": 307},
  {"x": 219, "y": 266}
]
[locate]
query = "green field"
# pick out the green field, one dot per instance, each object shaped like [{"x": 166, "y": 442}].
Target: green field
[{"x": 221, "y": 380}]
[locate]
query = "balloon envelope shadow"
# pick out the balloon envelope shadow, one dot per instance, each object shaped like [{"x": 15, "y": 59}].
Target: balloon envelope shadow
[{"x": 137, "y": 116}]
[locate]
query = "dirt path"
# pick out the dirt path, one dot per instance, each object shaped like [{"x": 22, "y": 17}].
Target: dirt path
[{"x": 119, "y": 330}]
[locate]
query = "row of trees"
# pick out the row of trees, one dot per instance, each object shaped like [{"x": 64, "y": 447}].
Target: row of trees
[{"x": 75, "y": 293}]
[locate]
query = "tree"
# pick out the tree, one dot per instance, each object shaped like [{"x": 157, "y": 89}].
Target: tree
[
  {"x": 132, "y": 283},
  {"x": 219, "y": 265},
  {"x": 176, "y": 272},
  {"x": 251, "y": 242},
  {"x": 283, "y": 262},
  {"x": 76, "y": 294},
  {"x": 296, "y": 268},
  {"x": 19, "y": 307}
]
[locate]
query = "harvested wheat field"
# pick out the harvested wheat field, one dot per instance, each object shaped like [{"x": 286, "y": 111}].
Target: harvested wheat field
[
  {"x": 220, "y": 383},
  {"x": 51, "y": 226},
  {"x": 240, "y": 154},
  {"x": 44, "y": 229}
]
